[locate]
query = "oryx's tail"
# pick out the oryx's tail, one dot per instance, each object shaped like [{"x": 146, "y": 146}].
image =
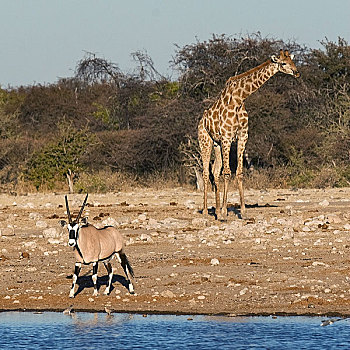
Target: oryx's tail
[{"x": 126, "y": 264}]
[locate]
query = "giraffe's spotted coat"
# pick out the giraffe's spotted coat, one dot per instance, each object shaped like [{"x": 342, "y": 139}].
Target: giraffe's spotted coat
[{"x": 227, "y": 121}]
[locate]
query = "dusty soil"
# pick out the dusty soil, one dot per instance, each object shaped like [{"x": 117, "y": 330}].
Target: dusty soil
[{"x": 291, "y": 257}]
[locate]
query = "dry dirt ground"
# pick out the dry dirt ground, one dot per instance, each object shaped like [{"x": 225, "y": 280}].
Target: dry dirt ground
[{"x": 291, "y": 257}]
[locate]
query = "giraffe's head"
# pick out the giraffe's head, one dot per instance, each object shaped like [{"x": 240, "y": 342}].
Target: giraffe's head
[{"x": 285, "y": 63}]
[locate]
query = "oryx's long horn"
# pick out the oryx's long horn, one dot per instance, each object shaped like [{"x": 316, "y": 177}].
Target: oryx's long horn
[
  {"x": 68, "y": 212},
  {"x": 82, "y": 208}
]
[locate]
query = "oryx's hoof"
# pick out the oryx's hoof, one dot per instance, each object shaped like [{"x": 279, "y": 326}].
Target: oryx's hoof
[
  {"x": 71, "y": 294},
  {"x": 106, "y": 292},
  {"x": 95, "y": 293},
  {"x": 131, "y": 289}
]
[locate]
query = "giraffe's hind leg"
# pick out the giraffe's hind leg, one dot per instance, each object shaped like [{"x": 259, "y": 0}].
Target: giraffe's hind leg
[
  {"x": 205, "y": 144},
  {"x": 226, "y": 145},
  {"x": 216, "y": 172},
  {"x": 241, "y": 143}
]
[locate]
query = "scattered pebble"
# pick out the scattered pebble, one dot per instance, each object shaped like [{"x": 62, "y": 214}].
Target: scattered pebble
[{"x": 214, "y": 262}]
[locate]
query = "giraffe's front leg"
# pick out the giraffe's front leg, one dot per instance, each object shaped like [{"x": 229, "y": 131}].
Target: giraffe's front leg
[
  {"x": 242, "y": 140},
  {"x": 226, "y": 145},
  {"x": 205, "y": 144}
]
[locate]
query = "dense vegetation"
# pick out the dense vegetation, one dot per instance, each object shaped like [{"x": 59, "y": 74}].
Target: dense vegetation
[{"x": 103, "y": 126}]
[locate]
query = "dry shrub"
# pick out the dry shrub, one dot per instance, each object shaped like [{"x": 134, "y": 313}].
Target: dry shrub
[
  {"x": 266, "y": 178},
  {"x": 105, "y": 181}
]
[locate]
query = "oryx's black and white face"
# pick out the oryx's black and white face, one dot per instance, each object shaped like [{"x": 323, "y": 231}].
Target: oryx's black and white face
[
  {"x": 73, "y": 226},
  {"x": 73, "y": 230}
]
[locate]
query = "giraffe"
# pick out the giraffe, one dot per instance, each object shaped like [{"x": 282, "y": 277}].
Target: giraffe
[{"x": 227, "y": 121}]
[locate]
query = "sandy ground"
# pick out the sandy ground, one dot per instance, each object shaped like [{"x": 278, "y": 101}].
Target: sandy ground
[{"x": 291, "y": 257}]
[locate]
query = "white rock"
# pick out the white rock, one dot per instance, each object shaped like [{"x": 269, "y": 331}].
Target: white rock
[
  {"x": 214, "y": 262},
  {"x": 31, "y": 269},
  {"x": 51, "y": 233},
  {"x": 319, "y": 263},
  {"x": 54, "y": 241},
  {"x": 334, "y": 219},
  {"x": 243, "y": 291},
  {"x": 110, "y": 222},
  {"x": 190, "y": 204},
  {"x": 199, "y": 222},
  {"x": 324, "y": 203},
  {"x": 7, "y": 231},
  {"x": 142, "y": 217},
  {"x": 152, "y": 223},
  {"x": 167, "y": 294},
  {"x": 30, "y": 244},
  {"x": 41, "y": 224},
  {"x": 146, "y": 238},
  {"x": 190, "y": 238},
  {"x": 29, "y": 205},
  {"x": 35, "y": 216},
  {"x": 123, "y": 220}
]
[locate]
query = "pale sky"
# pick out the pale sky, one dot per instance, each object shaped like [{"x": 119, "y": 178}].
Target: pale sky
[{"x": 42, "y": 40}]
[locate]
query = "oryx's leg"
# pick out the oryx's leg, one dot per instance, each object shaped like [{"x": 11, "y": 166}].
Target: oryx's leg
[
  {"x": 109, "y": 269},
  {"x": 127, "y": 269},
  {"x": 94, "y": 277},
  {"x": 75, "y": 278}
]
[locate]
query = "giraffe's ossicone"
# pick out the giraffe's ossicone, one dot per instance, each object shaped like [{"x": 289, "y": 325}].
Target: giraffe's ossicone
[{"x": 226, "y": 121}]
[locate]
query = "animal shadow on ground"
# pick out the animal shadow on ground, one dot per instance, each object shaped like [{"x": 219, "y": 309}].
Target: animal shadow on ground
[
  {"x": 85, "y": 281},
  {"x": 235, "y": 209}
]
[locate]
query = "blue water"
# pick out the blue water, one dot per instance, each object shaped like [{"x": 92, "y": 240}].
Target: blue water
[{"x": 51, "y": 330}]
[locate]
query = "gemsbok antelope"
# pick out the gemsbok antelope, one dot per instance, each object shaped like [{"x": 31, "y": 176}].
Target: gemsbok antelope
[{"x": 92, "y": 245}]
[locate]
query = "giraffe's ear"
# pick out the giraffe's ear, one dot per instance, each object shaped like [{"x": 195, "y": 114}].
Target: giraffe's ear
[{"x": 274, "y": 59}]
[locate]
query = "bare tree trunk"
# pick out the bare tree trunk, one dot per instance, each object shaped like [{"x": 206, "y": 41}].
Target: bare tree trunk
[
  {"x": 199, "y": 179},
  {"x": 70, "y": 176}
]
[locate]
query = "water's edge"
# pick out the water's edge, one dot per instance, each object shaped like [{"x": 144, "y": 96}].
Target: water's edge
[{"x": 182, "y": 313}]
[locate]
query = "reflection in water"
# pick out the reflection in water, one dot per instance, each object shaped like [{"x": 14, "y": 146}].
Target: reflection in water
[
  {"x": 131, "y": 331},
  {"x": 84, "y": 319}
]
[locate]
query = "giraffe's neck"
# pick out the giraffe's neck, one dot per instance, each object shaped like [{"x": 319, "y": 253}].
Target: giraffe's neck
[{"x": 245, "y": 84}]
